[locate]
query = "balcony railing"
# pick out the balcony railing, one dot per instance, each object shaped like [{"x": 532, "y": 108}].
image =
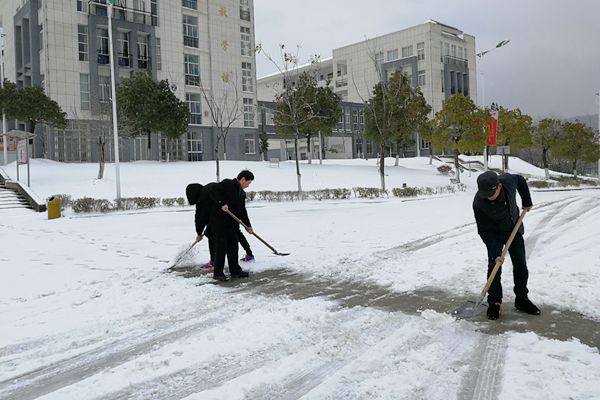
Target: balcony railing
[
  {"x": 100, "y": 9},
  {"x": 456, "y": 61}
]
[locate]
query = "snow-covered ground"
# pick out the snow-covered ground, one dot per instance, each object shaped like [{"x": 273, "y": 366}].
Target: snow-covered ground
[{"x": 87, "y": 312}]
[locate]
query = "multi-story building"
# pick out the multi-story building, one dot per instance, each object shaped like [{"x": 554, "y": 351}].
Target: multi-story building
[
  {"x": 63, "y": 45},
  {"x": 438, "y": 58}
]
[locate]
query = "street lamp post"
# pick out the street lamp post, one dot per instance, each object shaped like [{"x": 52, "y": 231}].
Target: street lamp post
[
  {"x": 598, "y": 100},
  {"x": 4, "y": 137},
  {"x": 480, "y": 56},
  {"x": 114, "y": 99}
]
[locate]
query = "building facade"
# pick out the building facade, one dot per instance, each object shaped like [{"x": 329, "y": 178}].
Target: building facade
[
  {"x": 196, "y": 45},
  {"x": 438, "y": 58}
]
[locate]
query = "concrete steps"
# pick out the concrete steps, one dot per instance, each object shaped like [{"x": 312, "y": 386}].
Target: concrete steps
[{"x": 10, "y": 199}]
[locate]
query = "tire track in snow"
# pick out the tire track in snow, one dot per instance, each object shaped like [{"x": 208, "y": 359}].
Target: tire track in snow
[
  {"x": 483, "y": 380},
  {"x": 54, "y": 376}
]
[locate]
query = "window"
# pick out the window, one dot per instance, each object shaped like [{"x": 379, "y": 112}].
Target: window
[
  {"x": 245, "y": 10},
  {"x": 421, "y": 51},
  {"x": 453, "y": 50},
  {"x": 82, "y": 6},
  {"x": 249, "y": 145},
  {"x": 193, "y": 4},
  {"x": 82, "y": 38},
  {"x": 460, "y": 53},
  {"x": 446, "y": 49},
  {"x": 248, "y": 112},
  {"x": 421, "y": 78},
  {"x": 359, "y": 147},
  {"x": 190, "y": 31},
  {"x": 369, "y": 147},
  {"x": 142, "y": 48},
  {"x": 192, "y": 70},
  {"x": 392, "y": 55},
  {"x": 84, "y": 91},
  {"x": 361, "y": 120},
  {"x": 247, "y": 77},
  {"x": 347, "y": 119},
  {"x": 355, "y": 119},
  {"x": 104, "y": 88},
  {"x": 158, "y": 55},
  {"x": 154, "y": 12},
  {"x": 245, "y": 41},
  {"x": 340, "y": 123},
  {"x": 379, "y": 58},
  {"x": 102, "y": 41},
  {"x": 425, "y": 144},
  {"x": 123, "y": 43},
  {"x": 407, "y": 51},
  {"x": 194, "y": 102},
  {"x": 195, "y": 146}
]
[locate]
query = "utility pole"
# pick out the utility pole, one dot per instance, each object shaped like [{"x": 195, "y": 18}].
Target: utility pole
[
  {"x": 114, "y": 98},
  {"x": 480, "y": 56},
  {"x": 4, "y": 137}
]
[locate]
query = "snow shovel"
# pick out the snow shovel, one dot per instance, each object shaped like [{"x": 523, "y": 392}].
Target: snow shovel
[
  {"x": 473, "y": 308},
  {"x": 181, "y": 257},
  {"x": 239, "y": 221}
]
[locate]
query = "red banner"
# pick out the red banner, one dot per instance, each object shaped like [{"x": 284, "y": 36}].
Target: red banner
[{"x": 492, "y": 125}]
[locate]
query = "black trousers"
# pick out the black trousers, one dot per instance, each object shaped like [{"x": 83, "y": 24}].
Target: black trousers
[
  {"x": 226, "y": 245},
  {"x": 244, "y": 242},
  {"x": 211, "y": 243},
  {"x": 520, "y": 272}
]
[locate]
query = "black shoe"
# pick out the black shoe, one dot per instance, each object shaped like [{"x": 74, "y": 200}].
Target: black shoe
[
  {"x": 525, "y": 305},
  {"x": 493, "y": 311},
  {"x": 221, "y": 278},
  {"x": 240, "y": 274}
]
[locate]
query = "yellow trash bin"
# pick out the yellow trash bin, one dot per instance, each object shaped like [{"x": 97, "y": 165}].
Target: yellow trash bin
[{"x": 54, "y": 205}]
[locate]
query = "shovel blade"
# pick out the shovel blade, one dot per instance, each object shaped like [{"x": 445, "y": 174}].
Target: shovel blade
[
  {"x": 470, "y": 309},
  {"x": 281, "y": 254}
]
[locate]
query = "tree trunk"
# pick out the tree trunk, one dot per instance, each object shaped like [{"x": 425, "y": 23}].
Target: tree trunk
[
  {"x": 575, "y": 169},
  {"x": 297, "y": 164},
  {"x": 382, "y": 167},
  {"x": 545, "y": 162},
  {"x": 101, "y": 144},
  {"x": 457, "y": 166},
  {"x": 506, "y": 162},
  {"x": 308, "y": 146},
  {"x": 217, "y": 161}
]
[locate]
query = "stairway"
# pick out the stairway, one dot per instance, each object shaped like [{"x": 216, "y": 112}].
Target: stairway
[{"x": 10, "y": 199}]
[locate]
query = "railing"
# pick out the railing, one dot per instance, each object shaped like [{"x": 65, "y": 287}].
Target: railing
[
  {"x": 456, "y": 61},
  {"x": 341, "y": 82},
  {"x": 122, "y": 13}
]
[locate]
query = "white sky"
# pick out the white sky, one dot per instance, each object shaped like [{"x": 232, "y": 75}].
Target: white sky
[{"x": 550, "y": 68}]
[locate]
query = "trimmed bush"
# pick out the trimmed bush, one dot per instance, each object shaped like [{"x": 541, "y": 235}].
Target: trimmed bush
[{"x": 369, "y": 193}]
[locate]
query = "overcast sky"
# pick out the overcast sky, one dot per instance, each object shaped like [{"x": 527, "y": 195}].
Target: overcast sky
[{"x": 551, "y": 67}]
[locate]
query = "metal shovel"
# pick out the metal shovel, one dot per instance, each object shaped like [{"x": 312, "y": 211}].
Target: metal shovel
[
  {"x": 254, "y": 233},
  {"x": 473, "y": 308}
]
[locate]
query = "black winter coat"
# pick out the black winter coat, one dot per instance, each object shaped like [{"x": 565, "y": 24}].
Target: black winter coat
[
  {"x": 204, "y": 207},
  {"x": 496, "y": 219},
  {"x": 229, "y": 192}
]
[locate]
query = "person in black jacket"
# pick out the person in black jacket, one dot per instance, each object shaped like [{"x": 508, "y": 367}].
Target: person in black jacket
[
  {"x": 496, "y": 213},
  {"x": 227, "y": 195}
]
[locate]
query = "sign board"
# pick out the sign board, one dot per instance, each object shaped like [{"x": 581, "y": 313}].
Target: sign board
[
  {"x": 503, "y": 150},
  {"x": 22, "y": 156}
]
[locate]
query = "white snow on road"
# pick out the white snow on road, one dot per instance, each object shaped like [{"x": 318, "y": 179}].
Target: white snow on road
[{"x": 87, "y": 313}]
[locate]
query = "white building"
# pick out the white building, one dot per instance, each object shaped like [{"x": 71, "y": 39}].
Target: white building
[
  {"x": 438, "y": 58},
  {"x": 63, "y": 46}
]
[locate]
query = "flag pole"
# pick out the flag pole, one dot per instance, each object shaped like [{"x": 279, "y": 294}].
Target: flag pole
[{"x": 114, "y": 100}]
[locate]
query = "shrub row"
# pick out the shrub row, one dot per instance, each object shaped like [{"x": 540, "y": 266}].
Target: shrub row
[
  {"x": 563, "y": 181},
  {"x": 88, "y": 204}
]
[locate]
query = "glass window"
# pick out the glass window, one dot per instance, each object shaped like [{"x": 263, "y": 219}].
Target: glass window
[
  {"x": 102, "y": 42},
  {"x": 123, "y": 47},
  {"x": 246, "y": 41},
  {"x": 82, "y": 38},
  {"x": 158, "y": 55},
  {"x": 249, "y": 146},
  {"x": 379, "y": 58},
  {"x": 421, "y": 51},
  {"x": 194, "y": 101},
  {"x": 195, "y": 146},
  {"x": 104, "y": 88},
  {"x": 425, "y": 144},
  {"x": 392, "y": 55},
  {"x": 421, "y": 78},
  {"x": 193, "y": 4},
  {"x": 190, "y": 31},
  {"x": 142, "y": 47},
  {"x": 369, "y": 147},
  {"x": 192, "y": 70},
  {"x": 247, "y": 77},
  {"x": 245, "y": 10},
  {"x": 82, "y": 6},
  {"x": 84, "y": 91},
  {"x": 453, "y": 50},
  {"x": 407, "y": 51},
  {"x": 248, "y": 112}
]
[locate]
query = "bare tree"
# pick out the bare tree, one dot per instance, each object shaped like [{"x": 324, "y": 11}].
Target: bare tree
[{"x": 225, "y": 109}]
